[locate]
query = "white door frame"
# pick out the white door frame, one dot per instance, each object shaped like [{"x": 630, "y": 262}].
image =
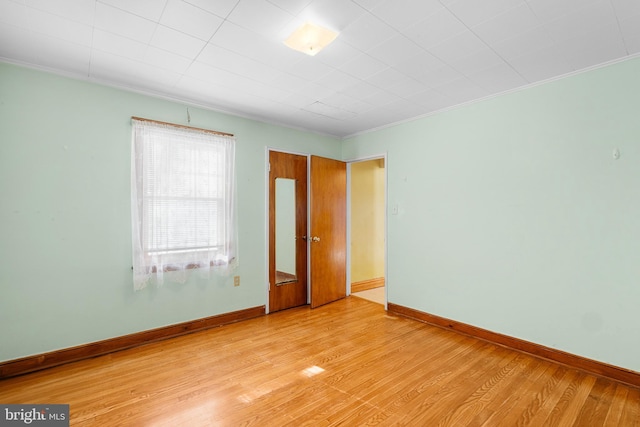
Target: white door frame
[{"x": 386, "y": 175}]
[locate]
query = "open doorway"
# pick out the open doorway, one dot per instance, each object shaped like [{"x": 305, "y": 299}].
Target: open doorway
[{"x": 367, "y": 232}]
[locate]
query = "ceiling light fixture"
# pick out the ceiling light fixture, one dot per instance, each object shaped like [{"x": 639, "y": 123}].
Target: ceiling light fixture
[{"x": 310, "y": 38}]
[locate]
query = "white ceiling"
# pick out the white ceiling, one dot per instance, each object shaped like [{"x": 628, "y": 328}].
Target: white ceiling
[{"x": 393, "y": 60}]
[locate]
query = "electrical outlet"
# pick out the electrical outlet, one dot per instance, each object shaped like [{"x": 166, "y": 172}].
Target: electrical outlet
[{"x": 236, "y": 280}]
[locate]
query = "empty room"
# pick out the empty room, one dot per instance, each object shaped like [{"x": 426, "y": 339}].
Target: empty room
[{"x": 184, "y": 198}]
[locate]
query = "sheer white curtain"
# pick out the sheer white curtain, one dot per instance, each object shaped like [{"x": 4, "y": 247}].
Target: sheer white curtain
[{"x": 183, "y": 202}]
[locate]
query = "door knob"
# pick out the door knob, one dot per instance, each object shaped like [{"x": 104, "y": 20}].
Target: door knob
[{"x": 315, "y": 239}]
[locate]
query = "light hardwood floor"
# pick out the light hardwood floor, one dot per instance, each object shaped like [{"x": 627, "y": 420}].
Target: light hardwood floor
[{"x": 346, "y": 363}]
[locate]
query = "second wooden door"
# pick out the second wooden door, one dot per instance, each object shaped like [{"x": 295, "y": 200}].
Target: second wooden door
[{"x": 328, "y": 230}]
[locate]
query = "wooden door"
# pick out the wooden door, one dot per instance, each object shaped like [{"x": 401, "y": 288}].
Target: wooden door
[
  {"x": 328, "y": 230},
  {"x": 287, "y": 230}
]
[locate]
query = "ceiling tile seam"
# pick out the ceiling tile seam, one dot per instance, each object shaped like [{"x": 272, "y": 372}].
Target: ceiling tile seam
[
  {"x": 224, "y": 18},
  {"x": 133, "y": 13},
  {"x": 375, "y": 16},
  {"x": 136, "y": 60},
  {"x": 93, "y": 32},
  {"x": 250, "y": 58},
  {"x": 195, "y": 58},
  {"x": 289, "y": 93},
  {"x": 23, "y": 3},
  {"x": 319, "y": 114},
  {"x": 583, "y": 5},
  {"x": 28, "y": 11},
  {"x": 555, "y": 18},
  {"x": 147, "y": 44},
  {"x": 232, "y": 10},
  {"x": 371, "y": 106},
  {"x": 359, "y": 5},
  {"x": 384, "y": 89},
  {"x": 36, "y": 31},
  {"x": 362, "y": 53},
  {"x": 250, "y": 29},
  {"x": 508, "y": 63},
  {"x": 308, "y": 2},
  {"x": 28, "y": 15},
  {"x": 140, "y": 61},
  {"x": 398, "y": 31},
  {"x": 624, "y": 40},
  {"x": 341, "y": 93},
  {"x": 239, "y": 75},
  {"x": 164, "y": 10},
  {"x": 323, "y": 101},
  {"x": 228, "y": 70}
]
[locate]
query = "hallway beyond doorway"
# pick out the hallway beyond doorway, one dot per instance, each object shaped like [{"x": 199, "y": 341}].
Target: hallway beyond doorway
[{"x": 374, "y": 295}]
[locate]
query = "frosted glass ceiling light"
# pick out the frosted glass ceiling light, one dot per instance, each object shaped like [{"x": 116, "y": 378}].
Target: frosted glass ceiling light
[{"x": 310, "y": 38}]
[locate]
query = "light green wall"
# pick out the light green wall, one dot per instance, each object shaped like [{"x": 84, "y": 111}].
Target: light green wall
[
  {"x": 514, "y": 216},
  {"x": 65, "y": 230}
]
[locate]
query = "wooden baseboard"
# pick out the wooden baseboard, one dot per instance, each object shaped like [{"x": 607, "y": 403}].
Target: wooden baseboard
[
  {"x": 47, "y": 360},
  {"x": 571, "y": 360},
  {"x": 364, "y": 285}
]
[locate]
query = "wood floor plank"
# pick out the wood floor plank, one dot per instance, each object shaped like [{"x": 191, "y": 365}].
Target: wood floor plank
[
  {"x": 343, "y": 364},
  {"x": 597, "y": 404},
  {"x": 502, "y": 404},
  {"x": 556, "y": 385},
  {"x": 477, "y": 402},
  {"x": 393, "y": 395},
  {"x": 617, "y": 406},
  {"x": 538, "y": 386},
  {"x": 570, "y": 404},
  {"x": 631, "y": 413},
  {"x": 437, "y": 402}
]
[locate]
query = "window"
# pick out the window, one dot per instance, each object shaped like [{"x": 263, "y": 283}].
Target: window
[{"x": 183, "y": 201}]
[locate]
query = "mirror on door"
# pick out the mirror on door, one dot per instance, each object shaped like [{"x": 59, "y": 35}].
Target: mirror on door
[{"x": 285, "y": 232}]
